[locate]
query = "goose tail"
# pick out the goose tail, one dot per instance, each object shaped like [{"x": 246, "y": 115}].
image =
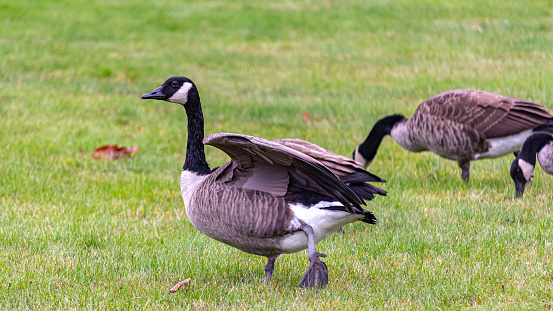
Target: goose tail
[{"x": 369, "y": 218}]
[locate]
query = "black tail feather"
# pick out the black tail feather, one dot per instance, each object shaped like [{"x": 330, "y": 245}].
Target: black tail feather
[
  {"x": 369, "y": 218},
  {"x": 360, "y": 176},
  {"x": 366, "y": 191}
]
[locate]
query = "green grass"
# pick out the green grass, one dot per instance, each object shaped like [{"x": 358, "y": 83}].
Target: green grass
[{"x": 76, "y": 233}]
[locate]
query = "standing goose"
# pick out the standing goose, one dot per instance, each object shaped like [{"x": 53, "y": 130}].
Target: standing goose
[
  {"x": 460, "y": 125},
  {"x": 272, "y": 197},
  {"x": 523, "y": 165}
]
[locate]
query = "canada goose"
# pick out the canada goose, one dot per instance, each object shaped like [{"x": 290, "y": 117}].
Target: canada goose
[
  {"x": 270, "y": 192},
  {"x": 523, "y": 165},
  {"x": 460, "y": 125}
]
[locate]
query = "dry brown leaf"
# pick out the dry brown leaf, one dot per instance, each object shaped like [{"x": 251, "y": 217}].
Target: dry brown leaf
[
  {"x": 178, "y": 286},
  {"x": 113, "y": 152},
  {"x": 306, "y": 117}
]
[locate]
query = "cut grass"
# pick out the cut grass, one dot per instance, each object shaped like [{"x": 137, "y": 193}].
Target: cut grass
[{"x": 82, "y": 234}]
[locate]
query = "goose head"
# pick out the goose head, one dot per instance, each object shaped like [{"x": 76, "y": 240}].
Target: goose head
[
  {"x": 365, "y": 152},
  {"x": 183, "y": 91},
  {"x": 180, "y": 90},
  {"x": 521, "y": 171},
  {"x": 523, "y": 165}
]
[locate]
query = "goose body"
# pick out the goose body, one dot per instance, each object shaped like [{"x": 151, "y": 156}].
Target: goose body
[
  {"x": 460, "y": 125},
  {"x": 272, "y": 197},
  {"x": 540, "y": 144}
]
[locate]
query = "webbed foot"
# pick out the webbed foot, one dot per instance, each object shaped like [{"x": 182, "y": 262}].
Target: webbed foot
[{"x": 316, "y": 274}]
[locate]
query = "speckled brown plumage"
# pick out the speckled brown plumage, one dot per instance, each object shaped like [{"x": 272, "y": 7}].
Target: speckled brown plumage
[
  {"x": 489, "y": 114},
  {"x": 458, "y": 124},
  {"x": 250, "y": 220},
  {"x": 245, "y": 202},
  {"x": 304, "y": 172},
  {"x": 461, "y": 125},
  {"x": 269, "y": 199}
]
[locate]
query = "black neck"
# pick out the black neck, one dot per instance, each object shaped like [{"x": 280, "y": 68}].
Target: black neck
[
  {"x": 195, "y": 155},
  {"x": 533, "y": 145},
  {"x": 382, "y": 128}
]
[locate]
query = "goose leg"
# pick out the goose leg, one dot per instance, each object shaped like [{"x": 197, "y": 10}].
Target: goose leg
[
  {"x": 270, "y": 267},
  {"x": 317, "y": 272},
  {"x": 465, "y": 169}
]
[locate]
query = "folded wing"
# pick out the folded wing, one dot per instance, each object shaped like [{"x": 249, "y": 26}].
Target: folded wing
[{"x": 490, "y": 114}]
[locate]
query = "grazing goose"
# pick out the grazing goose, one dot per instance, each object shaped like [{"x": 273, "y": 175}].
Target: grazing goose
[
  {"x": 272, "y": 197},
  {"x": 460, "y": 125},
  {"x": 523, "y": 165}
]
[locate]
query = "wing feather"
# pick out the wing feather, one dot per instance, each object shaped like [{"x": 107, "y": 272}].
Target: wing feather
[
  {"x": 491, "y": 114},
  {"x": 303, "y": 171}
]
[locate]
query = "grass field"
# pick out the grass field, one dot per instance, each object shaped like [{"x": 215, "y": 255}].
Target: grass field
[{"x": 77, "y": 233}]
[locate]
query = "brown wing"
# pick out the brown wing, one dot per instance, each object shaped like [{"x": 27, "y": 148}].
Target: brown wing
[
  {"x": 490, "y": 114},
  {"x": 252, "y": 157},
  {"x": 339, "y": 165},
  {"x": 347, "y": 170}
]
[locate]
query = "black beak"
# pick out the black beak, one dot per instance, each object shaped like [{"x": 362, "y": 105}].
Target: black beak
[
  {"x": 155, "y": 94},
  {"x": 519, "y": 187}
]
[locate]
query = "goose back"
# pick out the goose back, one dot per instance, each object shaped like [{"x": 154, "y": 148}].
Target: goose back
[
  {"x": 461, "y": 124},
  {"x": 491, "y": 114}
]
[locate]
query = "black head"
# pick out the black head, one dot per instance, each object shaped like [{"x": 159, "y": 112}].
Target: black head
[
  {"x": 520, "y": 173},
  {"x": 175, "y": 89},
  {"x": 366, "y": 152},
  {"x": 523, "y": 165}
]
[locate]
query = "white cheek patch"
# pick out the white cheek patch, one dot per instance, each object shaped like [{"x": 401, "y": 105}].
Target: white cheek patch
[
  {"x": 359, "y": 158},
  {"x": 526, "y": 168},
  {"x": 181, "y": 96}
]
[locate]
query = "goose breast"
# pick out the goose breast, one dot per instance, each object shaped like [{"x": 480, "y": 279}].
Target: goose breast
[{"x": 545, "y": 156}]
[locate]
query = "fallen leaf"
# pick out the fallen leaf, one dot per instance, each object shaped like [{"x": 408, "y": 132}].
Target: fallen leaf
[
  {"x": 178, "y": 286},
  {"x": 113, "y": 152},
  {"x": 306, "y": 117}
]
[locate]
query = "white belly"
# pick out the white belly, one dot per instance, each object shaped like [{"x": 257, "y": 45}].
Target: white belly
[
  {"x": 505, "y": 145},
  {"x": 324, "y": 222}
]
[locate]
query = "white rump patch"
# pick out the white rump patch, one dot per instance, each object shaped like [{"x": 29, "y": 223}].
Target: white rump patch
[
  {"x": 504, "y": 145},
  {"x": 526, "y": 168},
  {"x": 181, "y": 96},
  {"x": 323, "y": 221}
]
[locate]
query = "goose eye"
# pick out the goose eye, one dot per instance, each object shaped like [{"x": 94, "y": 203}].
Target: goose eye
[{"x": 175, "y": 84}]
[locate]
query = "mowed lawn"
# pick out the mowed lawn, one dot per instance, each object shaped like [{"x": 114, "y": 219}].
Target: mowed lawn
[{"x": 78, "y": 233}]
